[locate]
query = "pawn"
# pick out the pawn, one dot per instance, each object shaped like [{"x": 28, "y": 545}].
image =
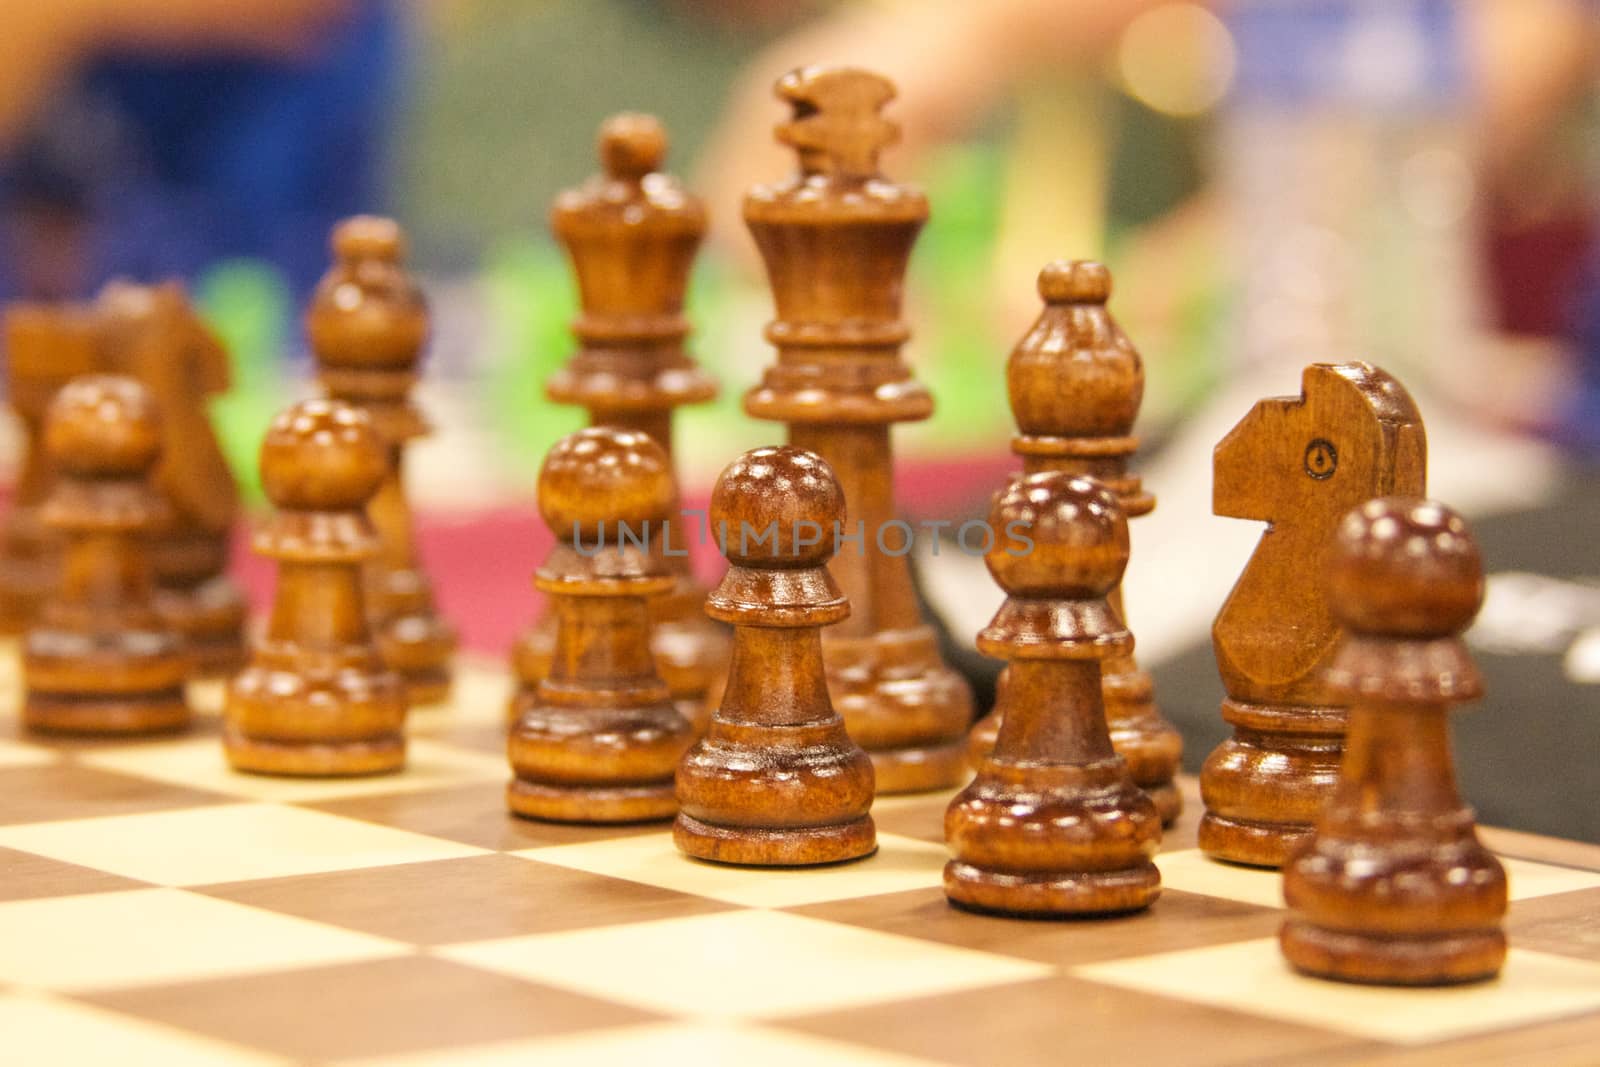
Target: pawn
[
  {"x": 1394, "y": 887},
  {"x": 776, "y": 781},
  {"x": 601, "y": 736},
  {"x": 317, "y": 698},
  {"x": 100, "y": 659},
  {"x": 1053, "y": 824}
]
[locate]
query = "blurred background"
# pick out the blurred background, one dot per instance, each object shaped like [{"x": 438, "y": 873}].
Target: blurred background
[{"x": 1272, "y": 182}]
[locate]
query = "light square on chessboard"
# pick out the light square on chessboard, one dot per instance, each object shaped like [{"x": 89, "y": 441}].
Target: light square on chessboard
[
  {"x": 1253, "y": 976},
  {"x": 745, "y": 964},
  {"x": 55, "y": 1032},
  {"x": 198, "y": 762},
  {"x": 470, "y": 899},
  {"x": 1563, "y": 924},
  {"x": 383, "y": 1007},
  {"x": 900, "y": 863},
  {"x": 705, "y": 1044},
  {"x": 151, "y": 936},
  {"x": 226, "y": 843},
  {"x": 1194, "y": 872},
  {"x": 1054, "y": 1021},
  {"x": 17, "y": 754}
]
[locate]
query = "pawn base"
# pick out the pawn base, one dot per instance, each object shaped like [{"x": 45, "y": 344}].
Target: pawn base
[
  {"x": 384, "y": 754},
  {"x": 1052, "y": 893},
  {"x": 784, "y": 847},
  {"x": 1253, "y": 844},
  {"x": 1445, "y": 959},
  {"x": 650, "y": 802},
  {"x": 124, "y": 714}
]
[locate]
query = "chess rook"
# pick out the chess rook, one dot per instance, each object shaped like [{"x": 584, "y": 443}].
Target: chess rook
[
  {"x": 153, "y": 334},
  {"x": 367, "y": 324},
  {"x": 100, "y": 659},
  {"x": 836, "y": 239},
  {"x": 1075, "y": 382},
  {"x": 1394, "y": 887},
  {"x": 776, "y": 781},
  {"x": 600, "y": 737},
  {"x": 1298, "y": 464},
  {"x": 1053, "y": 824},
  {"x": 632, "y": 232},
  {"x": 317, "y": 697}
]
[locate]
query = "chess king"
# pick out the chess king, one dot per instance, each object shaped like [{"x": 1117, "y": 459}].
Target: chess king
[
  {"x": 1298, "y": 464},
  {"x": 836, "y": 238}
]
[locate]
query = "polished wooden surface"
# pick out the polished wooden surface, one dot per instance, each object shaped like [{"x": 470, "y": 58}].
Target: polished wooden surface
[
  {"x": 1394, "y": 886},
  {"x": 631, "y": 233},
  {"x": 368, "y": 323},
  {"x": 1053, "y": 823},
  {"x": 99, "y": 658},
  {"x": 777, "y": 780},
  {"x": 836, "y": 238},
  {"x": 317, "y": 697},
  {"x": 598, "y": 739},
  {"x": 1075, "y": 382},
  {"x": 1298, "y": 464}
]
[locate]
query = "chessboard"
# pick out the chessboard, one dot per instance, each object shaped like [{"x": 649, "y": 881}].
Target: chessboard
[{"x": 159, "y": 908}]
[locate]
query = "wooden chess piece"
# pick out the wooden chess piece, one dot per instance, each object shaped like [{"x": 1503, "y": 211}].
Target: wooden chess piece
[
  {"x": 318, "y": 698},
  {"x": 632, "y": 233},
  {"x": 1053, "y": 824},
  {"x": 600, "y": 738},
  {"x": 1075, "y": 382},
  {"x": 836, "y": 239},
  {"x": 367, "y": 323},
  {"x": 153, "y": 334},
  {"x": 1298, "y": 464},
  {"x": 776, "y": 781},
  {"x": 46, "y": 346},
  {"x": 100, "y": 659},
  {"x": 1394, "y": 887}
]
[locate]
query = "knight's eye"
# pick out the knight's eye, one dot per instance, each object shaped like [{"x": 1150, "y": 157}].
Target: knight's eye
[{"x": 1321, "y": 459}]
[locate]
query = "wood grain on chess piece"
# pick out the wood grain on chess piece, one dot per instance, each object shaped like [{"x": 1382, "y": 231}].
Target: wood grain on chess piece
[
  {"x": 600, "y": 737},
  {"x": 46, "y": 346},
  {"x": 1298, "y": 464},
  {"x": 632, "y": 233},
  {"x": 1075, "y": 383},
  {"x": 836, "y": 239},
  {"x": 318, "y": 698},
  {"x": 776, "y": 781},
  {"x": 153, "y": 334},
  {"x": 1394, "y": 886},
  {"x": 1053, "y": 824},
  {"x": 367, "y": 324},
  {"x": 100, "y": 658}
]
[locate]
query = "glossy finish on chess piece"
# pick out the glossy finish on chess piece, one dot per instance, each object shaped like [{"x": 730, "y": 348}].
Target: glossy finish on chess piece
[
  {"x": 46, "y": 346},
  {"x": 632, "y": 233},
  {"x": 153, "y": 334},
  {"x": 1299, "y": 464},
  {"x": 1075, "y": 383},
  {"x": 367, "y": 325},
  {"x": 1394, "y": 887},
  {"x": 836, "y": 239},
  {"x": 317, "y": 698},
  {"x": 776, "y": 781},
  {"x": 100, "y": 659},
  {"x": 600, "y": 738},
  {"x": 1053, "y": 824}
]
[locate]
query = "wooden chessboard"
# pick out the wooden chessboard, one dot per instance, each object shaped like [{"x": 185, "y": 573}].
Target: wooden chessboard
[{"x": 156, "y": 908}]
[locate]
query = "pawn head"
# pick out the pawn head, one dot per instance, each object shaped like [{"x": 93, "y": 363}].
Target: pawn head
[
  {"x": 322, "y": 455},
  {"x": 1074, "y": 281},
  {"x": 363, "y": 237},
  {"x": 1405, "y": 567},
  {"x": 602, "y": 478},
  {"x": 103, "y": 425},
  {"x": 367, "y": 311},
  {"x": 777, "y": 507},
  {"x": 632, "y": 145},
  {"x": 1057, "y": 536}
]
